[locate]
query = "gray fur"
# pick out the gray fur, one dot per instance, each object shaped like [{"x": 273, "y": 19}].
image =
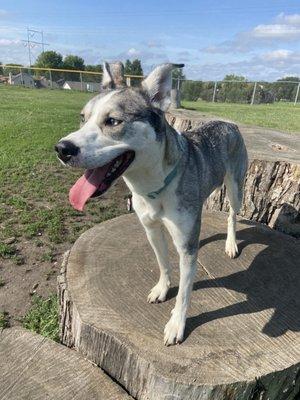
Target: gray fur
[{"x": 210, "y": 152}]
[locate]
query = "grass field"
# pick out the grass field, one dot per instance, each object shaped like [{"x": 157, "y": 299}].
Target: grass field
[
  {"x": 281, "y": 116},
  {"x": 34, "y": 186},
  {"x": 37, "y": 224}
]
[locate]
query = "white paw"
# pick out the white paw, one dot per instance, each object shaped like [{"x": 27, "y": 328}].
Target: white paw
[
  {"x": 231, "y": 248},
  {"x": 174, "y": 330},
  {"x": 158, "y": 293}
]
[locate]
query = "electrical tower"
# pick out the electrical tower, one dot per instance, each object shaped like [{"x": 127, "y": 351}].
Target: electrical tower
[{"x": 30, "y": 43}]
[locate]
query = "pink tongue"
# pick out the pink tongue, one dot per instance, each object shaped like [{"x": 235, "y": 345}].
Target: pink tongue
[{"x": 86, "y": 186}]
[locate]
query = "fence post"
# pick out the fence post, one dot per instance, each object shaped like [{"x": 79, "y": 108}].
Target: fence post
[
  {"x": 297, "y": 94},
  {"x": 215, "y": 91},
  {"x": 21, "y": 73},
  {"x": 50, "y": 75},
  {"x": 128, "y": 81},
  {"x": 253, "y": 94},
  {"x": 81, "y": 83}
]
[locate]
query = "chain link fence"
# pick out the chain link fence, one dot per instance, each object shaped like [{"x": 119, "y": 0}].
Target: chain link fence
[
  {"x": 229, "y": 91},
  {"x": 226, "y": 91}
]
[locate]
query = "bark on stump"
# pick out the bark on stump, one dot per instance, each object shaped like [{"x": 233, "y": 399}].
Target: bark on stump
[
  {"x": 242, "y": 335},
  {"x": 272, "y": 186}
]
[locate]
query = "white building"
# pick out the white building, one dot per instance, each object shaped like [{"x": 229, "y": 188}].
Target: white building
[{"x": 86, "y": 86}]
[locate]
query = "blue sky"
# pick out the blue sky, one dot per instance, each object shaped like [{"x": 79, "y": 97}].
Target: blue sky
[{"x": 258, "y": 39}]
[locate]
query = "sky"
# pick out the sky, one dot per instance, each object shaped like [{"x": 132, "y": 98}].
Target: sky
[{"x": 257, "y": 39}]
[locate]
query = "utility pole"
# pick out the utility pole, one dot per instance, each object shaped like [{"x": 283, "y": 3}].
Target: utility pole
[{"x": 30, "y": 43}]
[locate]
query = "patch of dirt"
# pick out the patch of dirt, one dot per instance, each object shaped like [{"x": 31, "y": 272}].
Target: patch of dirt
[{"x": 38, "y": 275}]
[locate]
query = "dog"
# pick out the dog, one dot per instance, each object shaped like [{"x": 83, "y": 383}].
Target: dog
[{"x": 170, "y": 174}]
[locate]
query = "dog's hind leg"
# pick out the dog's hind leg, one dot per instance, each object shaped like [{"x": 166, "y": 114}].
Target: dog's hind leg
[
  {"x": 156, "y": 237},
  {"x": 235, "y": 195}
]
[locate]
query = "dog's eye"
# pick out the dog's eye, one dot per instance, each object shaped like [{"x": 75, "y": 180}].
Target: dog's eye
[
  {"x": 82, "y": 119},
  {"x": 112, "y": 121}
]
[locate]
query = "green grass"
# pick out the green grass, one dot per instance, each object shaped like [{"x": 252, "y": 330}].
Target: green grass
[
  {"x": 281, "y": 116},
  {"x": 2, "y": 282},
  {"x": 4, "y": 320},
  {"x": 42, "y": 318},
  {"x": 34, "y": 186}
]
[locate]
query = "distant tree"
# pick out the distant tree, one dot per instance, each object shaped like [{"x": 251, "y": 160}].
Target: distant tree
[
  {"x": 191, "y": 90},
  {"x": 73, "y": 62},
  {"x": 1, "y": 69},
  {"x": 233, "y": 77},
  {"x": 94, "y": 68},
  {"x": 127, "y": 67},
  {"x": 284, "y": 90},
  {"x": 177, "y": 75},
  {"x": 134, "y": 68},
  {"x": 237, "y": 90},
  {"x": 14, "y": 70},
  {"x": 49, "y": 59}
]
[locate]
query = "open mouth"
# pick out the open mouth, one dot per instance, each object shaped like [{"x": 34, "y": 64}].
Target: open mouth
[{"x": 97, "y": 181}]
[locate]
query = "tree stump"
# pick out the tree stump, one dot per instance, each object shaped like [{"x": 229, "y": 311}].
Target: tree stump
[
  {"x": 35, "y": 368},
  {"x": 272, "y": 185},
  {"x": 242, "y": 339}
]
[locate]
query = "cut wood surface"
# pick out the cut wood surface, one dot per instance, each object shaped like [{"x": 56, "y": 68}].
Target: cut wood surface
[
  {"x": 35, "y": 368},
  {"x": 242, "y": 335},
  {"x": 272, "y": 186}
]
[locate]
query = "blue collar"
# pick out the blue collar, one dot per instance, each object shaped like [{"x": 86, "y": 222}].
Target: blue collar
[{"x": 168, "y": 179}]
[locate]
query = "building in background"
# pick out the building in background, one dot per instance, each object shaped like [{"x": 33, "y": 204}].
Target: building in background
[{"x": 21, "y": 79}]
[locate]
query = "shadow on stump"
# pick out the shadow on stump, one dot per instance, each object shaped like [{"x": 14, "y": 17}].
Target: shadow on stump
[{"x": 271, "y": 281}]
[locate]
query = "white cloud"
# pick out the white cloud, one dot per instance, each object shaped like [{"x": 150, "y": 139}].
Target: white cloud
[
  {"x": 278, "y": 55},
  {"x": 276, "y": 31},
  {"x": 267, "y": 66},
  {"x": 9, "y": 42},
  {"x": 288, "y": 19},
  {"x": 285, "y": 29},
  {"x": 133, "y": 52}
]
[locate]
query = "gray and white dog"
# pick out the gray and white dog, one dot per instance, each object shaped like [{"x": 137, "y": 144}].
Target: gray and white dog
[{"x": 124, "y": 132}]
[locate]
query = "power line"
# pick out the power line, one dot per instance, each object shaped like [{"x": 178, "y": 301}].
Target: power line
[{"x": 30, "y": 44}]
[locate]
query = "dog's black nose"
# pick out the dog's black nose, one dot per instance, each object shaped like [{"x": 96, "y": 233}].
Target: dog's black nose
[{"x": 66, "y": 149}]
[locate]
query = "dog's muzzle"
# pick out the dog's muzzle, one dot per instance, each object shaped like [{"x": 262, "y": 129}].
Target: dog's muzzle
[{"x": 66, "y": 150}]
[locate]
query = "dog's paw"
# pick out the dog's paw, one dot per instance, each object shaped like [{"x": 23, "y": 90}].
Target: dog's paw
[
  {"x": 158, "y": 293},
  {"x": 231, "y": 248},
  {"x": 174, "y": 331}
]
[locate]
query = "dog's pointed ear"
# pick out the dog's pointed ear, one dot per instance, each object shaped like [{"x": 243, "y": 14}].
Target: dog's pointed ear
[
  {"x": 158, "y": 85},
  {"x": 113, "y": 75}
]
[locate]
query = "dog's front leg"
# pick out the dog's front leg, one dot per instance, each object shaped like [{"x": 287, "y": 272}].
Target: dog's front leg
[
  {"x": 156, "y": 237},
  {"x": 186, "y": 242},
  {"x": 155, "y": 234}
]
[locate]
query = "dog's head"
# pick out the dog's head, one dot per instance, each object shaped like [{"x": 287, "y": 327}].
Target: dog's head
[{"x": 120, "y": 128}]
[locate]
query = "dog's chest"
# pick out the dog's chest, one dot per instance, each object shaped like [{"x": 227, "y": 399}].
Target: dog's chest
[{"x": 148, "y": 211}]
